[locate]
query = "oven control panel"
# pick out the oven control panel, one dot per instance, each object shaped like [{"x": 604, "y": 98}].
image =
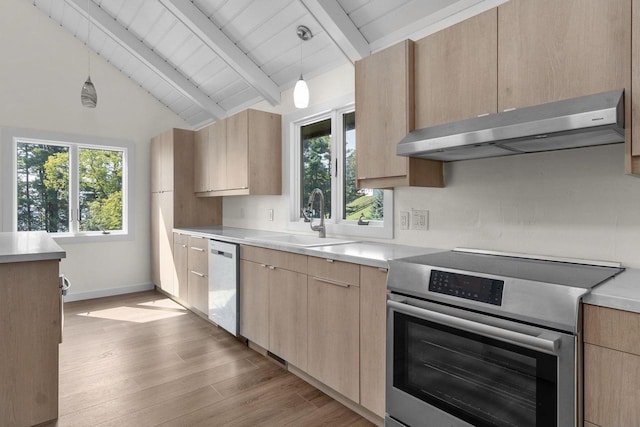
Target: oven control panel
[{"x": 469, "y": 287}]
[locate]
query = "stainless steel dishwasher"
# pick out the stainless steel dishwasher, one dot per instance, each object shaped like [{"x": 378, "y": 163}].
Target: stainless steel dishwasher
[{"x": 223, "y": 285}]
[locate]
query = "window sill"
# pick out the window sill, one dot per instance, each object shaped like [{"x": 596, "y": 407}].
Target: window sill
[{"x": 91, "y": 237}]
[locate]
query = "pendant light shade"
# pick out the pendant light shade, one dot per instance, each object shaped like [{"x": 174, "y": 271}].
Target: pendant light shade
[
  {"x": 301, "y": 90},
  {"x": 88, "y": 95},
  {"x": 301, "y": 94}
]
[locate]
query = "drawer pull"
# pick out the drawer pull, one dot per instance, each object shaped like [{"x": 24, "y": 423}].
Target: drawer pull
[
  {"x": 197, "y": 274},
  {"x": 197, "y": 249},
  {"x": 263, "y": 265},
  {"x": 272, "y": 267},
  {"x": 328, "y": 260},
  {"x": 332, "y": 282},
  {"x": 384, "y": 270}
]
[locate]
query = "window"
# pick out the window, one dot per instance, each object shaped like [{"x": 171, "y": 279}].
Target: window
[
  {"x": 68, "y": 188},
  {"x": 324, "y": 145}
]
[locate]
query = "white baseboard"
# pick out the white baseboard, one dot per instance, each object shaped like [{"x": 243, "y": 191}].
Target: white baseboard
[{"x": 79, "y": 296}]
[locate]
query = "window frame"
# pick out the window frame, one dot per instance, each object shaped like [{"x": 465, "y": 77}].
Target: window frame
[
  {"x": 336, "y": 224},
  {"x": 10, "y": 138}
]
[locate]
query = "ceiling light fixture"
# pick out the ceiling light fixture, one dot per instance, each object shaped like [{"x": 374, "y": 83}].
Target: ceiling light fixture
[
  {"x": 88, "y": 94},
  {"x": 301, "y": 91}
]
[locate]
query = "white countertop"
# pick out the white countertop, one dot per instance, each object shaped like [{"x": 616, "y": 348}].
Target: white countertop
[
  {"x": 366, "y": 253},
  {"x": 622, "y": 292},
  {"x": 29, "y": 246}
]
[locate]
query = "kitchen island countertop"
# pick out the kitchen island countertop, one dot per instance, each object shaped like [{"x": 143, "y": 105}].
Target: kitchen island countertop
[{"x": 28, "y": 246}]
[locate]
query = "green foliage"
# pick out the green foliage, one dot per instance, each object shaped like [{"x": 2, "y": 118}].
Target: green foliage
[
  {"x": 43, "y": 188},
  {"x": 316, "y": 171}
]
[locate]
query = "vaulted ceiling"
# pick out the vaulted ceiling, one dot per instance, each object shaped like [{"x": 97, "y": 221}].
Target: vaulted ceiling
[{"x": 206, "y": 59}]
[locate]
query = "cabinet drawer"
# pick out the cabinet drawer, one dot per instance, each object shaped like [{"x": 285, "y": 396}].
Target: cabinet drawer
[
  {"x": 180, "y": 239},
  {"x": 199, "y": 242},
  {"x": 338, "y": 271},
  {"x": 198, "y": 260},
  {"x": 280, "y": 259},
  {"x": 608, "y": 327}
]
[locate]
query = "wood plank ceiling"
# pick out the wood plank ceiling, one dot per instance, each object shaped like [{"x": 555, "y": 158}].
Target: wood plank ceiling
[{"x": 207, "y": 59}]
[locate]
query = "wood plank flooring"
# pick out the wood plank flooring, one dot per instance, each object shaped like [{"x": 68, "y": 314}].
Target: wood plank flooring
[{"x": 143, "y": 360}]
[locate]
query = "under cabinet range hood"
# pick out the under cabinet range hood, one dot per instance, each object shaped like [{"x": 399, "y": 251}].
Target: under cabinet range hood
[{"x": 578, "y": 122}]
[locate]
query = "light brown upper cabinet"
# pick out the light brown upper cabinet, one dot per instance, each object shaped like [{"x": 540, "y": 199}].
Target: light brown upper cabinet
[
  {"x": 244, "y": 155},
  {"x": 384, "y": 115},
  {"x": 210, "y": 158},
  {"x": 456, "y": 71},
  {"x": 201, "y": 161},
  {"x": 551, "y": 50}
]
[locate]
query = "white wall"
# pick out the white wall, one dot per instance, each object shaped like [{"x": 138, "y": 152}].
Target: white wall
[{"x": 43, "y": 69}]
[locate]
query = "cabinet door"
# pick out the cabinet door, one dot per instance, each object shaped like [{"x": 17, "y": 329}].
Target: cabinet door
[
  {"x": 551, "y": 50},
  {"x": 373, "y": 321},
  {"x": 162, "y": 162},
  {"x": 456, "y": 71},
  {"x": 237, "y": 151},
  {"x": 162, "y": 240},
  {"x": 611, "y": 392},
  {"x": 254, "y": 303},
  {"x": 384, "y": 114},
  {"x": 333, "y": 334},
  {"x": 218, "y": 155},
  {"x": 288, "y": 316},
  {"x": 632, "y": 152},
  {"x": 201, "y": 161},
  {"x": 180, "y": 254}
]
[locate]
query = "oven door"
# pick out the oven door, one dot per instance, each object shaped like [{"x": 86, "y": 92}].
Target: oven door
[{"x": 452, "y": 367}]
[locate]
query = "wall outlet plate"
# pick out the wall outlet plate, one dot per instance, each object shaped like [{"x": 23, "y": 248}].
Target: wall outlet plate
[
  {"x": 404, "y": 220},
  {"x": 270, "y": 214},
  {"x": 420, "y": 219}
]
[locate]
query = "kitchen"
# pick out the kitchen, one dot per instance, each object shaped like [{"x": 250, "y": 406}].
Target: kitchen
[{"x": 576, "y": 203}]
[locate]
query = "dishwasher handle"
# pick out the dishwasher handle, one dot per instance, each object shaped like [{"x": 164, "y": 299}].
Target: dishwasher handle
[{"x": 216, "y": 252}]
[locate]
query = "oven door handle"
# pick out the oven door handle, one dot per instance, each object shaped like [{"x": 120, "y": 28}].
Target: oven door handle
[{"x": 546, "y": 342}]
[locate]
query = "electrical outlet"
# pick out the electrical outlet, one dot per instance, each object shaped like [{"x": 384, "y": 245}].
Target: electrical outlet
[
  {"x": 404, "y": 220},
  {"x": 420, "y": 219},
  {"x": 270, "y": 214}
]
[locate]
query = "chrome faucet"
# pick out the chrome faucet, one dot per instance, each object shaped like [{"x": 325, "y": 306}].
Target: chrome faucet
[{"x": 322, "y": 232}]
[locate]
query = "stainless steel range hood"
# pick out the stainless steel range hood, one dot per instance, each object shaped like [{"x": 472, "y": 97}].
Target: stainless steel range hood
[{"x": 579, "y": 122}]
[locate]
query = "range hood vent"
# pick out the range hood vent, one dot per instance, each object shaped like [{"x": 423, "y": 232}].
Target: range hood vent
[{"x": 579, "y": 122}]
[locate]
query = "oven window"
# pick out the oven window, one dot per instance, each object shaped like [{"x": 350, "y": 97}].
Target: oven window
[{"x": 480, "y": 380}]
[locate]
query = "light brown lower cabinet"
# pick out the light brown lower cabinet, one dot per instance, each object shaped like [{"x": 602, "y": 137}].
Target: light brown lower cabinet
[
  {"x": 288, "y": 315},
  {"x": 180, "y": 257},
  {"x": 611, "y": 367},
  {"x": 334, "y": 326},
  {"x": 254, "y": 303},
  {"x": 198, "y": 278},
  {"x": 373, "y": 321},
  {"x": 30, "y": 330}
]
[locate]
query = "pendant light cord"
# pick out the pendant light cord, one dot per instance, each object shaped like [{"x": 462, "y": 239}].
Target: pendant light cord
[{"x": 88, "y": 39}]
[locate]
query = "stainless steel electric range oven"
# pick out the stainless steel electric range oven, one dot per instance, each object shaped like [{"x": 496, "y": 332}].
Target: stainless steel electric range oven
[{"x": 477, "y": 338}]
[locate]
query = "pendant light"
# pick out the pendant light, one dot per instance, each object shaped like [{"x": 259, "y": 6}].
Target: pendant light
[
  {"x": 88, "y": 94},
  {"x": 301, "y": 90}
]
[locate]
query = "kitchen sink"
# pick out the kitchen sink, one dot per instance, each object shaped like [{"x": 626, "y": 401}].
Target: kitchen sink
[{"x": 300, "y": 240}]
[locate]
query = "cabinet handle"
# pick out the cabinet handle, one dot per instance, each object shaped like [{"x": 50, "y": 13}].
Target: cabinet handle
[
  {"x": 384, "y": 270},
  {"x": 272, "y": 267},
  {"x": 197, "y": 249},
  {"x": 197, "y": 274},
  {"x": 332, "y": 282},
  {"x": 328, "y": 260},
  {"x": 263, "y": 265},
  {"x": 184, "y": 246}
]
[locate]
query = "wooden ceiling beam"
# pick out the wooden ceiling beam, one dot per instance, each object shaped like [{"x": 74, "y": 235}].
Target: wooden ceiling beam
[{"x": 224, "y": 47}]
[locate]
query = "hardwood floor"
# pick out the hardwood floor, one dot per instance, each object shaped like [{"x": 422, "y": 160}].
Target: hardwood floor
[{"x": 143, "y": 360}]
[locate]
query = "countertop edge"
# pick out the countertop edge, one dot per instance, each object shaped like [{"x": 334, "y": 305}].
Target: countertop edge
[{"x": 29, "y": 246}]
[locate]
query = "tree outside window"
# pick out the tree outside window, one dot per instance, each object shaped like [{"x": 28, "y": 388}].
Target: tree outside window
[{"x": 45, "y": 176}]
